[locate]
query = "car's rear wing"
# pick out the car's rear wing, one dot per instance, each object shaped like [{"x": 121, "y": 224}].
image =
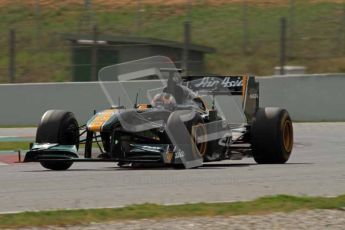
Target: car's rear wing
[{"x": 244, "y": 86}]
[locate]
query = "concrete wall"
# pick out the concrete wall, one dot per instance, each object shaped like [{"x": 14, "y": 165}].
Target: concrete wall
[
  {"x": 306, "y": 97},
  {"x": 24, "y": 104},
  {"x": 315, "y": 97}
]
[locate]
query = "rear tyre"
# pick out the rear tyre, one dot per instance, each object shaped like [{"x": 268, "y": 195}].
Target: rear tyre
[
  {"x": 61, "y": 127},
  {"x": 272, "y": 136}
]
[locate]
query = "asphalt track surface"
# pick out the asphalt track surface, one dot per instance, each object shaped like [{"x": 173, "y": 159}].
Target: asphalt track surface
[{"x": 316, "y": 167}]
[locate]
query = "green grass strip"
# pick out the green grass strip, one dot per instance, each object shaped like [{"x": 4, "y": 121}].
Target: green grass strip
[
  {"x": 279, "y": 203},
  {"x": 14, "y": 145}
]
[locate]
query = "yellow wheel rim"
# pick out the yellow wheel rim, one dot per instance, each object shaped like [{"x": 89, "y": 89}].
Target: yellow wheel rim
[{"x": 287, "y": 135}]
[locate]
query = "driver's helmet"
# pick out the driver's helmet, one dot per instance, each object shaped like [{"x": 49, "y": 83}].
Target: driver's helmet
[{"x": 163, "y": 100}]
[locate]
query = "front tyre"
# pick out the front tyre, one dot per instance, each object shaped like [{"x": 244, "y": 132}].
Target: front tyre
[
  {"x": 272, "y": 136},
  {"x": 61, "y": 127},
  {"x": 195, "y": 127},
  {"x": 56, "y": 165}
]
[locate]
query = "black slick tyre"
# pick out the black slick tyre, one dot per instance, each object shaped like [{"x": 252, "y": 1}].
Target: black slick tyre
[
  {"x": 56, "y": 165},
  {"x": 272, "y": 136},
  {"x": 61, "y": 127}
]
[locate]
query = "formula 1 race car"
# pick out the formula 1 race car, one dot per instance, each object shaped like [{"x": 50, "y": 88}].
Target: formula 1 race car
[{"x": 185, "y": 121}]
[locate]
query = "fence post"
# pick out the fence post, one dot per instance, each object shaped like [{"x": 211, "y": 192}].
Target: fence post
[
  {"x": 90, "y": 13},
  {"x": 138, "y": 17},
  {"x": 340, "y": 34},
  {"x": 188, "y": 9},
  {"x": 245, "y": 26},
  {"x": 282, "y": 44},
  {"x": 11, "y": 54},
  {"x": 94, "y": 54},
  {"x": 186, "y": 47},
  {"x": 291, "y": 27}
]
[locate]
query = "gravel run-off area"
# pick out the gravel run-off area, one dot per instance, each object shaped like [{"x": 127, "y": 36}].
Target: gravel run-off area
[{"x": 310, "y": 219}]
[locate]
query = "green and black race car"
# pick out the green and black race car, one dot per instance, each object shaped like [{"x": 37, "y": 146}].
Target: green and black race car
[{"x": 182, "y": 124}]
